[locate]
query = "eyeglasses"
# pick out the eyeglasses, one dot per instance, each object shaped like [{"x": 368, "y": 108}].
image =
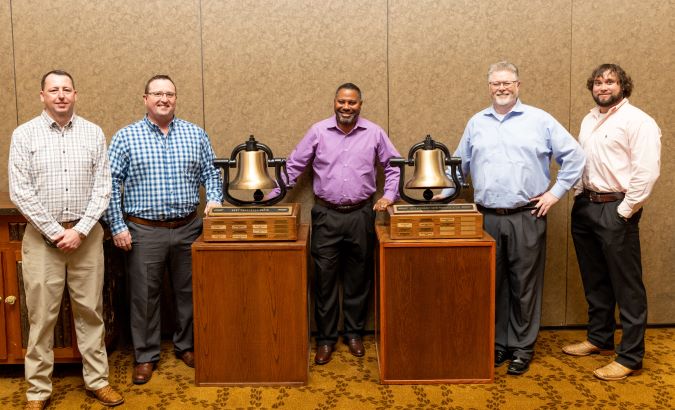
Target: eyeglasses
[
  {"x": 505, "y": 84},
  {"x": 160, "y": 94}
]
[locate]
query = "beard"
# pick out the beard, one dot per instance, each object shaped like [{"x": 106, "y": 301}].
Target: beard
[
  {"x": 347, "y": 121},
  {"x": 611, "y": 101}
]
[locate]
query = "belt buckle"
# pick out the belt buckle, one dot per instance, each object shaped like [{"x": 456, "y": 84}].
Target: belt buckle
[
  {"x": 501, "y": 211},
  {"x": 593, "y": 196}
]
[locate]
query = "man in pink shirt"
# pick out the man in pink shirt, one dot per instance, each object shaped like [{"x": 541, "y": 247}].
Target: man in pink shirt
[
  {"x": 623, "y": 148},
  {"x": 344, "y": 151}
]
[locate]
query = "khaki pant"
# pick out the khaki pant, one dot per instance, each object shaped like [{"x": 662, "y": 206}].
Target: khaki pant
[{"x": 46, "y": 271}]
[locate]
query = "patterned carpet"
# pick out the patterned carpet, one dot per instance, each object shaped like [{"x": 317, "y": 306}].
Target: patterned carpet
[{"x": 555, "y": 381}]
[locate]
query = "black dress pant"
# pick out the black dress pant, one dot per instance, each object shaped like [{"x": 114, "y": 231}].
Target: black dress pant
[
  {"x": 153, "y": 251},
  {"x": 608, "y": 251},
  {"x": 342, "y": 248},
  {"x": 519, "y": 279}
]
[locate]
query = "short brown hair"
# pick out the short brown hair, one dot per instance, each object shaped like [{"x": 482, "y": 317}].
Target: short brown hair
[
  {"x": 158, "y": 77},
  {"x": 56, "y": 72},
  {"x": 624, "y": 79}
]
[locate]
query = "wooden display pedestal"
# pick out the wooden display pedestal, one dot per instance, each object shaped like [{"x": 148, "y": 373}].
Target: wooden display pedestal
[
  {"x": 435, "y": 310},
  {"x": 251, "y": 318}
]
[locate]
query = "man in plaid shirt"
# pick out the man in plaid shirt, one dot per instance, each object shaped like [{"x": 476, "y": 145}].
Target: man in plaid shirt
[
  {"x": 59, "y": 178},
  {"x": 161, "y": 161}
]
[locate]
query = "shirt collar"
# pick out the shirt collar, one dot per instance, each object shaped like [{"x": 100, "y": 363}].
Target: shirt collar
[
  {"x": 517, "y": 109},
  {"x": 596, "y": 110},
  {"x": 359, "y": 124},
  {"x": 51, "y": 123},
  {"x": 154, "y": 126}
]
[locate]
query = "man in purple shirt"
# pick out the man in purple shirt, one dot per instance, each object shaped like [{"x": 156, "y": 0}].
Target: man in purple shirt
[{"x": 344, "y": 151}]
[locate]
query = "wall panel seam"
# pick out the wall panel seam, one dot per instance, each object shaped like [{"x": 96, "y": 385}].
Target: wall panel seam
[
  {"x": 16, "y": 94},
  {"x": 201, "y": 61},
  {"x": 387, "y": 67},
  {"x": 568, "y": 209}
]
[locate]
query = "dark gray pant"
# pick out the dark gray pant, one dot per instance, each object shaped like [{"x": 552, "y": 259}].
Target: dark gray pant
[
  {"x": 521, "y": 256},
  {"x": 608, "y": 251},
  {"x": 342, "y": 245},
  {"x": 153, "y": 251}
]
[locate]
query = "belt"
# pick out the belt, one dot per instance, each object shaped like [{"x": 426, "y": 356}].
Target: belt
[
  {"x": 342, "y": 208},
  {"x": 506, "y": 211},
  {"x": 65, "y": 225},
  {"x": 601, "y": 197},
  {"x": 167, "y": 223}
]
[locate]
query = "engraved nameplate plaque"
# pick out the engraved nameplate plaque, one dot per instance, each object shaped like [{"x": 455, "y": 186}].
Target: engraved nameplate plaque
[
  {"x": 254, "y": 223},
  {"x": 428, "y": 221}
]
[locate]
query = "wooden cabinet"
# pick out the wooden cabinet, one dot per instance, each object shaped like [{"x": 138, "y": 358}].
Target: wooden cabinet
[
  {"x": 251, "y": 315},
  {"x": 13, "y": 315},
  {"x": 435, "y": 309}
]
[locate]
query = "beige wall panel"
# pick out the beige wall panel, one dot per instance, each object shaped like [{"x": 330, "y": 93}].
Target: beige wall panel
[
  {"x": 7, "y": 91},
  {"x": 638, "y": 36},
  {"x": 111, "y": 48},
  {"x": 271, "y": 69},
  {"x": 439, "y": 52}
]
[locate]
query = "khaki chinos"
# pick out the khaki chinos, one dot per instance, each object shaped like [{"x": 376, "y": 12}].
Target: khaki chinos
[{"x": 46, "y": 271}]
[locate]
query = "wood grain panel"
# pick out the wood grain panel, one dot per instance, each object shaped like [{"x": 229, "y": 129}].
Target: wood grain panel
[
  {"x": 7, "y": 91},
  {"x": 111, "y": 49},
  {"x": 439, "y": 53},
  {"x": 251, "y": 318},
  {"x": 436, "y": 310},
  {"x": 643, "y": 47},
  {"x": 271, "y": 68}
]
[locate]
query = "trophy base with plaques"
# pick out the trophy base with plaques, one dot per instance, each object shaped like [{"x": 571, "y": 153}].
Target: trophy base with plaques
[
  {"x": 429, "y": 221},
  {"x": 252, "y": 223}
]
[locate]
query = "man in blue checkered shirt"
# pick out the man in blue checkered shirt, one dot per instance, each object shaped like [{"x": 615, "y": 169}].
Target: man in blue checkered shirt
[{"x": 161, "y": 161}]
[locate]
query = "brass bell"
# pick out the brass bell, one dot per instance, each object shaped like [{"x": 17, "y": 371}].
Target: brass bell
[
  {"x": 253, "y": 159},
  {"x": 429, "y": 171},
  {"x": 430, "y": 160},
  {"x": 252, "y": 172}
]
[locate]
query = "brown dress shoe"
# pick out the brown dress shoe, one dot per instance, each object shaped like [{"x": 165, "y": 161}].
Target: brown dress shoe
[
  {"x": 614, "y": 371},
  {"x": 323, "y": 354},
  {"x": 107, "y": 396},
  {"x": 188, "y": 358},
  {"x": 143, "y": 372},
  {"x": 356, "y": 347},
  {"x": 585, "y": 348},
  {"x": 36, "y": 404}
]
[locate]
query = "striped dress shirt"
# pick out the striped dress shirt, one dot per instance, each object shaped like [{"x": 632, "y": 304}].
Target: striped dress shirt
[
  {"x": 161, "y": 174},
  {"x": 59, "y": 174}
]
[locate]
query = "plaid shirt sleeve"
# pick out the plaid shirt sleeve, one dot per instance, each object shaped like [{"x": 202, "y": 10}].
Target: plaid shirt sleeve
[
  {"x": 119, "y": 167},
  {"x": 101, "y": 188}
]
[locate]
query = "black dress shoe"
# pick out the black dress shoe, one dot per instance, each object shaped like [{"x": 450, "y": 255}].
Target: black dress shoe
[
  {"x": 356, "y": 348},
  {"x": 518, "y": 366},
  {"x": 501, "y": 357},
  {"x": 323, "y": 354}
]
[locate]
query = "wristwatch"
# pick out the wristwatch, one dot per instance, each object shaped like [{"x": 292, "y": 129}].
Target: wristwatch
[{"x": 82, "y": 236}]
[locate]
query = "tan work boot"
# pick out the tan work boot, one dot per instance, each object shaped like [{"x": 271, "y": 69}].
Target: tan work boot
[
  {"x": 614, "y": 371},
  {"x": 107, "y": 396},
  {"x": 585, "y": 348},
  {"x": 36, "y": 404}
]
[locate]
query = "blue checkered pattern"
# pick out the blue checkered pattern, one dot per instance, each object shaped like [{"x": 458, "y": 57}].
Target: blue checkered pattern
[{"x": 161, "y": 175}]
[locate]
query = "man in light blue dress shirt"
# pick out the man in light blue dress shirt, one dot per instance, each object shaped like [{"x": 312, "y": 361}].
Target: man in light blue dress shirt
[{"x": 507, "y": 149}]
